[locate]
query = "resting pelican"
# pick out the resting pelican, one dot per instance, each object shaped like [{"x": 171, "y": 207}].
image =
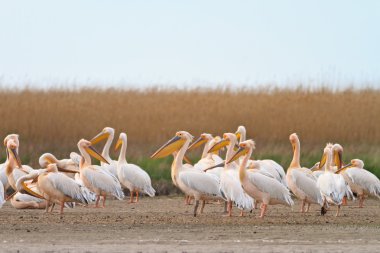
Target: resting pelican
[
  {"x": 360, "y": 180},
  {"x": 267, "y": 165},
  {"x": 107, "y": 133},
  {"x": 67, "y": 166},
  {"x": 332, "y": 186},
  {"x": 27, "y": 201},
  {"x": 229, "y": 180},
  {"x": 200, "y": 185},
  {"x": 207, "y": 159},
  {"x": 96, "y": 178},
  {"x": 130, "y": 175},
  {"x": 262, "y": 188},
  {"x": 301, "y": 180}
]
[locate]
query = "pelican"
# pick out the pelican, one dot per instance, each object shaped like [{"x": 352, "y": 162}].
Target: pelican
[
  {"x": 267, "y": 165},
  {"x": 229, "y": 180},
  {"x": 262, "y": 188},
  {"x": 360, "y": 180},
  {"x": 301, "y": 180},
  {"x": 68, "y": 166},
  {"x": 192, "y": 182},
  {"x": 96, "y": 178},
  {"x": 107, "y": 133},
  {"x": 332, "y": 186},
  {"x": 130, "y": 175}
]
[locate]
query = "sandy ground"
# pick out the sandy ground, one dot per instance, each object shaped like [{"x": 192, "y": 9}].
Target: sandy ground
[{"x": 165, "y": 224}]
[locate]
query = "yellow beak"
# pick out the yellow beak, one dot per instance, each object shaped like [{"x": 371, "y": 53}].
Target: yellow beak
[
  {"x": 92, "y": 152},
  {"x": 238, "y": 154},
  {"x": 169, "y": 148},
  {"x": 219, "y": 145},
  {"x": 187, "y": 160},
  {"x": 322, "y": 162},
  {"x": 338, "y": 159},
  {"x": 31, "y": 192},
  {"x": 15, "y": 155},
  {"x": 197, "y": 143},
  {"x": 238, "y": 135},
  {"x": 344, "y": 168},
  {"x": 215, "y": 166},
  {"x": 118, "y": 144},
  {"x": 101, "y": 136}
]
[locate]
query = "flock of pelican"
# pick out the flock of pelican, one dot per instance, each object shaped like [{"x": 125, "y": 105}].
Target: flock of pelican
[{"x": 238, "y": 180}]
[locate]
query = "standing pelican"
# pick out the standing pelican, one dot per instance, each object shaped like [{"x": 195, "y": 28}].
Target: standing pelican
[
  {"x": 195, "y": 183},
  {"x": 361, "y": 181},
  {"x": 229, "y": 180},
  {"x": 262, "y": 188},
  {"x": 107, "y": 133},
  {"x": 130, "y": 175},
  {"x": 94, "y": 177},
  {"x": 301, "y": 180},
  {"x": 332, "y": 186},
  {"x": 266, "y": 165}
]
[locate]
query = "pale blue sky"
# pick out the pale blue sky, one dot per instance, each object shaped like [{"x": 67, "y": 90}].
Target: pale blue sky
[{"x": 190, "y": 42}]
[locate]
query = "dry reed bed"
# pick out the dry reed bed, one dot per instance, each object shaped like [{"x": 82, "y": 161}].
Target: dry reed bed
[{"x": 54, "y": 121}]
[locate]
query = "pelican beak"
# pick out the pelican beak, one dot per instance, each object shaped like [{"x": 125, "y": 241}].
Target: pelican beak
[
  {"x": 215, "y": 166},
  {"x": 101, "y": 136},
  {"x": 338, "y": 159},
  {"x": 242, "y": 151},
  {"x": 315, "y": 168},
  {"x": 168, "y": 148},
  {"x": 48, "y": 160},
  {"x": 236, "y": 147},
  {"x": 238, "y": 135},
  {"x": 118, "y": 144},
  {"x": 197, "y": 143},
  {"x": 67, "y": 170},
  {"x": 16, "y": 157},
  {"x": 92, "y": 152},
  {"x": 217, "y": 146},
  {"x": 187, "y": 160},
  {"x": 29, "y": 191},
  {"x": 344, "y": 168},
  {"x": 322, "y": 162}
]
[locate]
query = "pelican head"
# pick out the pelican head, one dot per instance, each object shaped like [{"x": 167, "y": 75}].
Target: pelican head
[
  {"x": 293, "y": 138},
  {"x": 338, "y": 153},
  {"x": 87, "y": 146},
  {"x": 122, "y": 139},
  {"x": 174, "y": 144},
  {"x": 12, "y": 144},
  {"x": 327, "y": 152},
  {"x": 52, "y": 167},
  {"x": 244, "y": 148},
  {"x": 201, "y": 140},
  {"x": 227, "y": 139},
  {"x": 104, "y": 134},
  {"x": 240, "y": 131}
]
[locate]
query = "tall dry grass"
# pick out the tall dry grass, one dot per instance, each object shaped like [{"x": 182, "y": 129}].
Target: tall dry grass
[{"x": 54, "y": 121}]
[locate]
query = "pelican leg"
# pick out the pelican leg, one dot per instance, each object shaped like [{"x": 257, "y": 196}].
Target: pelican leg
[
  {"x": 97, "y": 201},
  {"x": 104, "y": 201},
  {"x": 241, "y": 213},
  {"x": 225, "y": 207},
  {"x": 47, "y": 206},
  {"x": 203, "y": 205},
  {"x": 263, "y": 210},
  {"x": 324, "y": 208},
  {"x": 229, "y": 208},
  {"x": 196, "y": 207},
  {"x": 52, "y": 207},
  {"x": 62, "y": 205},
  {"x": 308, "y": 207},
  {"x": 361, "y": 201},
  {"x": 344, "y": 201},
  {"x": 303, "y": 206},
  {"x": 131, "y": 197},
  {"x": 137, "y": 196},
  {"x": 186, "y": 200},
  {"x": 337, "y": 211}
]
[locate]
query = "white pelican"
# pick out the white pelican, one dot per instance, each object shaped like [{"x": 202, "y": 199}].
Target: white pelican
[
  {"x": 27, "y": 201},
  {"x": 130, "y": 175},
  {"x": 207, "y": 159},
  {"x": 266, "y": 165},
  {"x": 107, "y": 133},
  {"x": 94, "y": 177},
  {"x": 192, "y": 182},
  {"x": 262, "y": 188},
  {"x": 67, "y": 166},
  {"x": 229, "y": 180},
  {"x": 300, "y": 180},
  {"x": 332, "y": 186},
  {"x": 360, "y": 180}
]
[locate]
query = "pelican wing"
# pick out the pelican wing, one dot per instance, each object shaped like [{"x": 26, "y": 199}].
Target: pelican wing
[
  {"x": 272, "y": 186},
  {"x": 3, "y": 177},
  {"x": 205, "y": 183},
  {"x": 2, "y": 197},
  {"x": 307, "y": 184},
  {"x": 71, "y": 188},
  {"x": 231, "y": 187},
  {"x": 104, "y": 180},
  {"x": 365, "y": 179},
  {"x": 137, "y": 177}
]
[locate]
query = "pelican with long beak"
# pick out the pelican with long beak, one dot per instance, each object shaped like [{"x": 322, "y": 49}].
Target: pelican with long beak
[
  {"x": 332, "y": 186},
  {"x": 266, "y": 165},
  {"x": 99, "y": 181},
  {"x": 67, "y": 166},
  {"x": 107, "y": 134},
  {"x": 300, "y": 180},
  {"x": 130, "y": 175},
  {"x": 360, "y": 180},
  {"x": 262, "y": 188},
  {"x": 195, "y": 183},
  {"x": 229, "y": 180}
]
